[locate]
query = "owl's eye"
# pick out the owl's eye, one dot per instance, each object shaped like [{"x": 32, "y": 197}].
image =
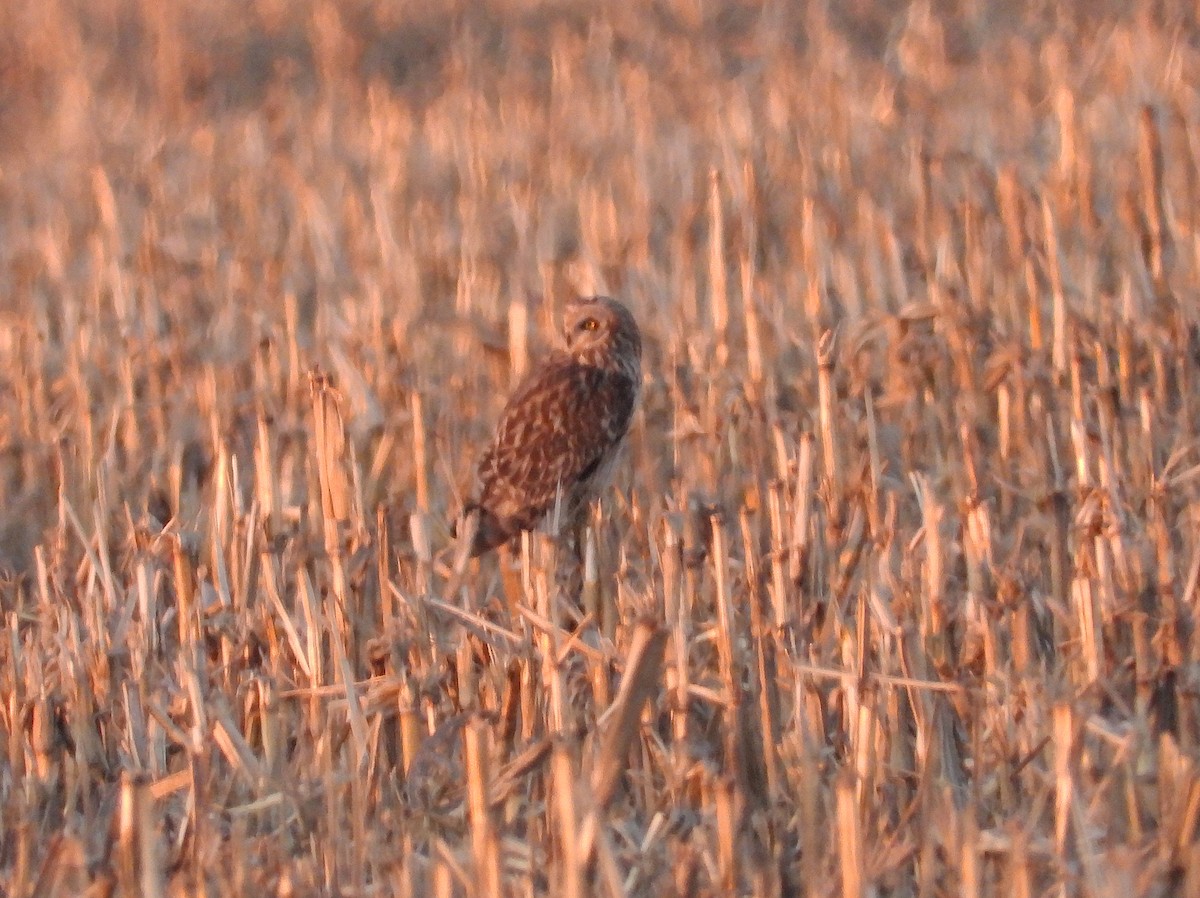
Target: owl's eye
[{"x": 589, "y": 324}]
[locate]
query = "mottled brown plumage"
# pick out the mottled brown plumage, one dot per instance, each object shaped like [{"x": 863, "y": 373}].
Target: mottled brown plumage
[{"x": 561, "y": 428}]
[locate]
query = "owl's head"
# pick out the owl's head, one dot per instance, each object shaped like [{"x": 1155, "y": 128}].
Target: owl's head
[{"x": 600, "y": 331}]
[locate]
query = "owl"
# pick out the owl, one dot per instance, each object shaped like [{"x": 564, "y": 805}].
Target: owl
[{"x": 561, "y": 429}]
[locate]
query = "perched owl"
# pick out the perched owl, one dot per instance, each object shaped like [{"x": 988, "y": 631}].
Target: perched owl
[{"x": 562, "y": 426}]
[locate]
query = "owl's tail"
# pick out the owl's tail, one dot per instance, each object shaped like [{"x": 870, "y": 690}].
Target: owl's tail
[{"x": 490, "y": 531}]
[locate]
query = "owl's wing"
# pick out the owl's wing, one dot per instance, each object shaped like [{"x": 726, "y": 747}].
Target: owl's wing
[{"x": 558, "y": 426}]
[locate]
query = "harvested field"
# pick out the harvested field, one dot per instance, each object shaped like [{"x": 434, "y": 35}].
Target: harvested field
[{"x": 894, "y": 593}]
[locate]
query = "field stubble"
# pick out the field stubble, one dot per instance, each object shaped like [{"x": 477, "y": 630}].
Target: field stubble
[{"x": 894, "y": 594}]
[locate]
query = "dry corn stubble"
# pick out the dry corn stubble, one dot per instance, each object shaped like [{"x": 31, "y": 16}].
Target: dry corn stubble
[{"x": 895, "y": 589}]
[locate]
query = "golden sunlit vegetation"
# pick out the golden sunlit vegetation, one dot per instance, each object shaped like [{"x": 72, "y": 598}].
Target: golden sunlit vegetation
[{"x": 894, "y": 592}]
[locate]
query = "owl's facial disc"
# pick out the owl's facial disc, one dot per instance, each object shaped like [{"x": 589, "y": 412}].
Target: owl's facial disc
[
  {"x": 588, "y": 324},
  {"x": 601, "y": 332}
]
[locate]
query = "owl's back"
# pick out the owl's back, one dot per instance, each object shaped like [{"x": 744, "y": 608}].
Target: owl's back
[{"x": 559, "y": 429}]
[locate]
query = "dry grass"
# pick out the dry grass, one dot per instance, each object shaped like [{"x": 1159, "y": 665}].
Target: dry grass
[{"x": 896, "y": 592}]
